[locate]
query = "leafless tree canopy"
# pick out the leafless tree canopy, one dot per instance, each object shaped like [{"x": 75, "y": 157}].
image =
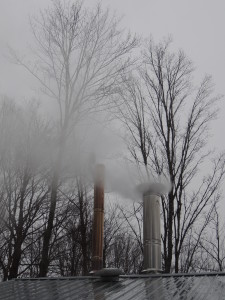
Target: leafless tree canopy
[
  {"x": 168, "y": 119},
  {"x": 85, "y": 63},
  {"x": 80, "y": 54}
]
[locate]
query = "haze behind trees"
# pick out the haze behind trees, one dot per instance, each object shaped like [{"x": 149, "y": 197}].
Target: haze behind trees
[{"x": 87, "y": 65}]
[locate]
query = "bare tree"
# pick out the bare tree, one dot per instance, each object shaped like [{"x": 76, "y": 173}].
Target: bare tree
[
  {"x": 134, "y": 219},
  {"x": 213, "y": 243},
  {"x": 121, "y": 246},
  {"x": 80, "y": 54},
  {"x": 168, "y": 123},
  {"x": 23, "y": 183},
  {"x": 112, "y": 226}
]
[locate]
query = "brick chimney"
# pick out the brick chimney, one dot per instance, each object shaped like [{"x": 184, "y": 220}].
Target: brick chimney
[{"x": 98, "y": 222}]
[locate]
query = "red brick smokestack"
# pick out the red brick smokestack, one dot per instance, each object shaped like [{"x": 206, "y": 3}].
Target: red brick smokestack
[{"x": 98, "y": 224}]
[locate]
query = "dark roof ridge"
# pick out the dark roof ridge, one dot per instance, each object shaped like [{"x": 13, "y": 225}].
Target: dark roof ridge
[{"x": 129, "y": 276}]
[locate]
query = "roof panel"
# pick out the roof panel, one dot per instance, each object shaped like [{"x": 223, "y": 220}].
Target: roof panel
[{"x": 127, "y": 288}]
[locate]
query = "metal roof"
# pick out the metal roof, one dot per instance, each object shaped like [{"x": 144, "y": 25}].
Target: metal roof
[{"x": 151, "y": 287}]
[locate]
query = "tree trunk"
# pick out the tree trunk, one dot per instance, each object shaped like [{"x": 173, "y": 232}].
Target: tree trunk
[
  {"x": 45, "y": 259},
  {"x": 83, "y": 230},
  {"x": 13, "y": 272},
  {"x": 16, "y": 257},
  {"x": 177, "y": 255},
  {"x": 168, "y": 260},
  {"x": 45, "y": 255}
]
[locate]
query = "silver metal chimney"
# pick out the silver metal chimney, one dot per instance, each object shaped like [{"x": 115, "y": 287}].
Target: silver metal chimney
[{"x": 151, "y": 226}]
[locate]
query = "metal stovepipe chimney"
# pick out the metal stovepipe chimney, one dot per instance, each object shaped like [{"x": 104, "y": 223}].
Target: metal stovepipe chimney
[
  {"x": 151, "y": 229},
  {"x": 98, "y": 222}
]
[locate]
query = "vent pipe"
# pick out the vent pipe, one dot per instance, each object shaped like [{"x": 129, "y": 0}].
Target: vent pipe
[
  {"x": 151, "y": 227},
  {"x": 98, "y": 223}
]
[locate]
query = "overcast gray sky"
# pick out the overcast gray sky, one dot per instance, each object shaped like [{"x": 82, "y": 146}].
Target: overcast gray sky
[{"x": 197, "y": 26}]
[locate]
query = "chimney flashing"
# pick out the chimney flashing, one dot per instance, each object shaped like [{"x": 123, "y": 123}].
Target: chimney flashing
[{"x": 109, "y": 274}]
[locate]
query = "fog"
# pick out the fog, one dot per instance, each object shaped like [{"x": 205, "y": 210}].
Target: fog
[
  {"x": 101, "y": 142},
  {"x": 127, "y": 85},
  {"x": 190, "y": 27}
]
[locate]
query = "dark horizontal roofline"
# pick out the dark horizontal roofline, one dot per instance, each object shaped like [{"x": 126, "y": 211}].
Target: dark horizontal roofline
[{"x": 133, "y": 276}]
